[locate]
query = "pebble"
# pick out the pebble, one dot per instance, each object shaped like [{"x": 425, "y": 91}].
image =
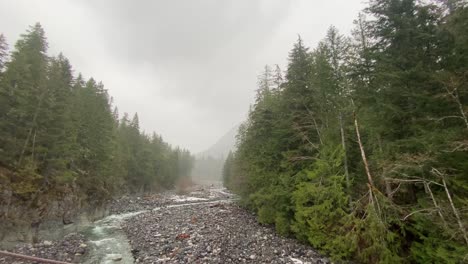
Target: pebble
[
  {"x": 219, "y": 232},
  {"x": 61, "y": 250}
]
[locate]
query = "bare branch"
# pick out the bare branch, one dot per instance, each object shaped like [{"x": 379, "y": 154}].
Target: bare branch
[
  {"x": 418, "y": 211},
  {"x": 454, "y": 209},
  {"x": 315, "y": 123},
  {"x": 363, "y": 153},
  {"x": 428, "y": 188},
  {"x": 299, "y": 158},
  {"x": 444, "y": 117}
]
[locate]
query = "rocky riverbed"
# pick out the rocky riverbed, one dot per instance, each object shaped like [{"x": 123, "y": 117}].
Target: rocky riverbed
[
  {"x": 202, "y": 226},
  {"x": 208, "y": 231},
  {"x": 69, "y": 249}
]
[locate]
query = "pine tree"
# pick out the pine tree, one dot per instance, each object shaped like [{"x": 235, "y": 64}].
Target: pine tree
[
  {"x": 3, "y": 52},
  {"x": 278, "y": 80},
  {"x": 59, "y": 133},
  {"x": 61, "y": 136},
  {"x": 363, "y": 148},
  {"x": 24, "y": 97}
]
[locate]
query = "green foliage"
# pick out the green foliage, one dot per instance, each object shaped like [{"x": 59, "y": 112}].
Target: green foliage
[
  {"x": 3, "y": 52},
  {"x": 433, "y": 243},
  {"x": 321, "y": 201},
  {"x": 376, "y": 242},
  {"x": 377, "y": 196},
  {"x": 59, "y": 132}
]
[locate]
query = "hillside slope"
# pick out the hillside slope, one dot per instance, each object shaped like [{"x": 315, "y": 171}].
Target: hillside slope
[{"x": 209, "y": 163}]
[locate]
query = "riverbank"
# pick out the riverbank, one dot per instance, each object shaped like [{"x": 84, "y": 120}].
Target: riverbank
[
  {"x": 202, "y": 226},
  {"x": 212, "y": 230},
  {"x": 70, "y": 248},
  {"x": 210, "y": 233}
]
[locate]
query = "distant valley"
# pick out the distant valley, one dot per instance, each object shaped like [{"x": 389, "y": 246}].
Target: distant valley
[{"x": 209, "y": 163}]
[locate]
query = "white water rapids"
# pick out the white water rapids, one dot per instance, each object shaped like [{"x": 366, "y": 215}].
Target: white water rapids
[{"x": 107, "y": 241}]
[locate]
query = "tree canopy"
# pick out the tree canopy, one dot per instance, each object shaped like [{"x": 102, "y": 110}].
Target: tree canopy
[
  {"x": 60, "y": 133},
  {"x": 362, "y": 149}
]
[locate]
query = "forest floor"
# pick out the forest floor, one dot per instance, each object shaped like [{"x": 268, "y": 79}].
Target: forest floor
[{"x": 204, "y": 225}]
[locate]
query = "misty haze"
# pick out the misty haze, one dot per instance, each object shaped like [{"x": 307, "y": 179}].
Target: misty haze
[{"x": 249, "y": 131}]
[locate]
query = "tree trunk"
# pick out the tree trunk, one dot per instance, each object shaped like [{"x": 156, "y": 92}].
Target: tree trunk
[
  {"x": 26, "y": 142},
  {"x": 455, "y": 211},
  {"x": 345, "y": 161},
  {"x": 363, "y": 153},
  {"x": 428, "y": 188},
  {"x": 388, "y": 189},
  {"x": 460, "y": 107},
  {"x": 315, "y": 124},
  {"x": 454, "y": 94}
]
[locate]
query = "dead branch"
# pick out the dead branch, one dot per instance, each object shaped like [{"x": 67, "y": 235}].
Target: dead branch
[
  {"x": 454, "y": 209},
  {"x": 299, "y": 158},
  {"x": 315, "y": 123},
  {"x": 363, "y": 153},
  {"x": 396, "y": 189},
  {"x": 418, "y": 211},
  {"x": 304, "y": 136},
  {"x": 428, "y": 188},
  {"x": 345, "y": 162},
  {"x": 33, "y": 125},
  {"x": 462, "y": 146},
  {"x": 454, "y": 84},
  {"x": 415, "y": 180},
  {"x": 36, "y": 259}
]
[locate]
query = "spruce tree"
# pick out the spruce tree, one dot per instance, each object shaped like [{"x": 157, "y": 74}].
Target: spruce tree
[
  {"x": 25, "y": 101},
  {"x": 3, "y": 52}
]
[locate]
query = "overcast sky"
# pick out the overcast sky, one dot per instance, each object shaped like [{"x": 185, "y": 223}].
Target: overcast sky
[{"x": 187, "y": 67}]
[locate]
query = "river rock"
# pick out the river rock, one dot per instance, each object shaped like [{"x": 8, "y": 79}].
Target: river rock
[
  {"x": 211, "y": 231},
  {"x": 55, "y": 250}
]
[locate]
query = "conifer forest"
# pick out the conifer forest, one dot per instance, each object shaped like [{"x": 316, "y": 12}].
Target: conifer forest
[
  {"x": 353, "y": 150},
  {"x": 361, "y": 147},
  {"x": 60, "y": 132}
]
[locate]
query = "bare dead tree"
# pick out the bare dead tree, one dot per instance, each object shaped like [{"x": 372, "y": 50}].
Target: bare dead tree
[
  {"x": 363, "y": 153},
  {"x": 454, "y": 209},
  {"x": 451, "y": 87},
  {"x": 436, "y": 205},
  {"x": 345, "y": 158}
]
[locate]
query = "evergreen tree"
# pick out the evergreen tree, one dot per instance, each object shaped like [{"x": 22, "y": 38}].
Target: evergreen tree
[
  {"x": 362, "y": 150},
  {"x": 3, "y": 52},
  {"x": 60, "y": 135},
  {"x": 24, "y": 97}
]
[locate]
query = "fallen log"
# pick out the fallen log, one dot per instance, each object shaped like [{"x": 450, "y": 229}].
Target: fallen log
[{"x": 36, "y": 259}]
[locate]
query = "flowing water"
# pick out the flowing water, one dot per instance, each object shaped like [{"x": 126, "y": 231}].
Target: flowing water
[{"x": 107, "y": 241}]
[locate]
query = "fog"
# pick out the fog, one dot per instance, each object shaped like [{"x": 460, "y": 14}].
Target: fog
[{"x": 188, "y": 68}]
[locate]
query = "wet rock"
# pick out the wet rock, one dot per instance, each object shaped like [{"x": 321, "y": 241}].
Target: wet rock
[
  {"x": 212, "y": 232},
  {"x": 67, "y": 249}
]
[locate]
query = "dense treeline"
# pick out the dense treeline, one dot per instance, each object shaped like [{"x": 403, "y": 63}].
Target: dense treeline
[
  {"x": 361, "y": 149},
  {"x": 60, "y": 133}
]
